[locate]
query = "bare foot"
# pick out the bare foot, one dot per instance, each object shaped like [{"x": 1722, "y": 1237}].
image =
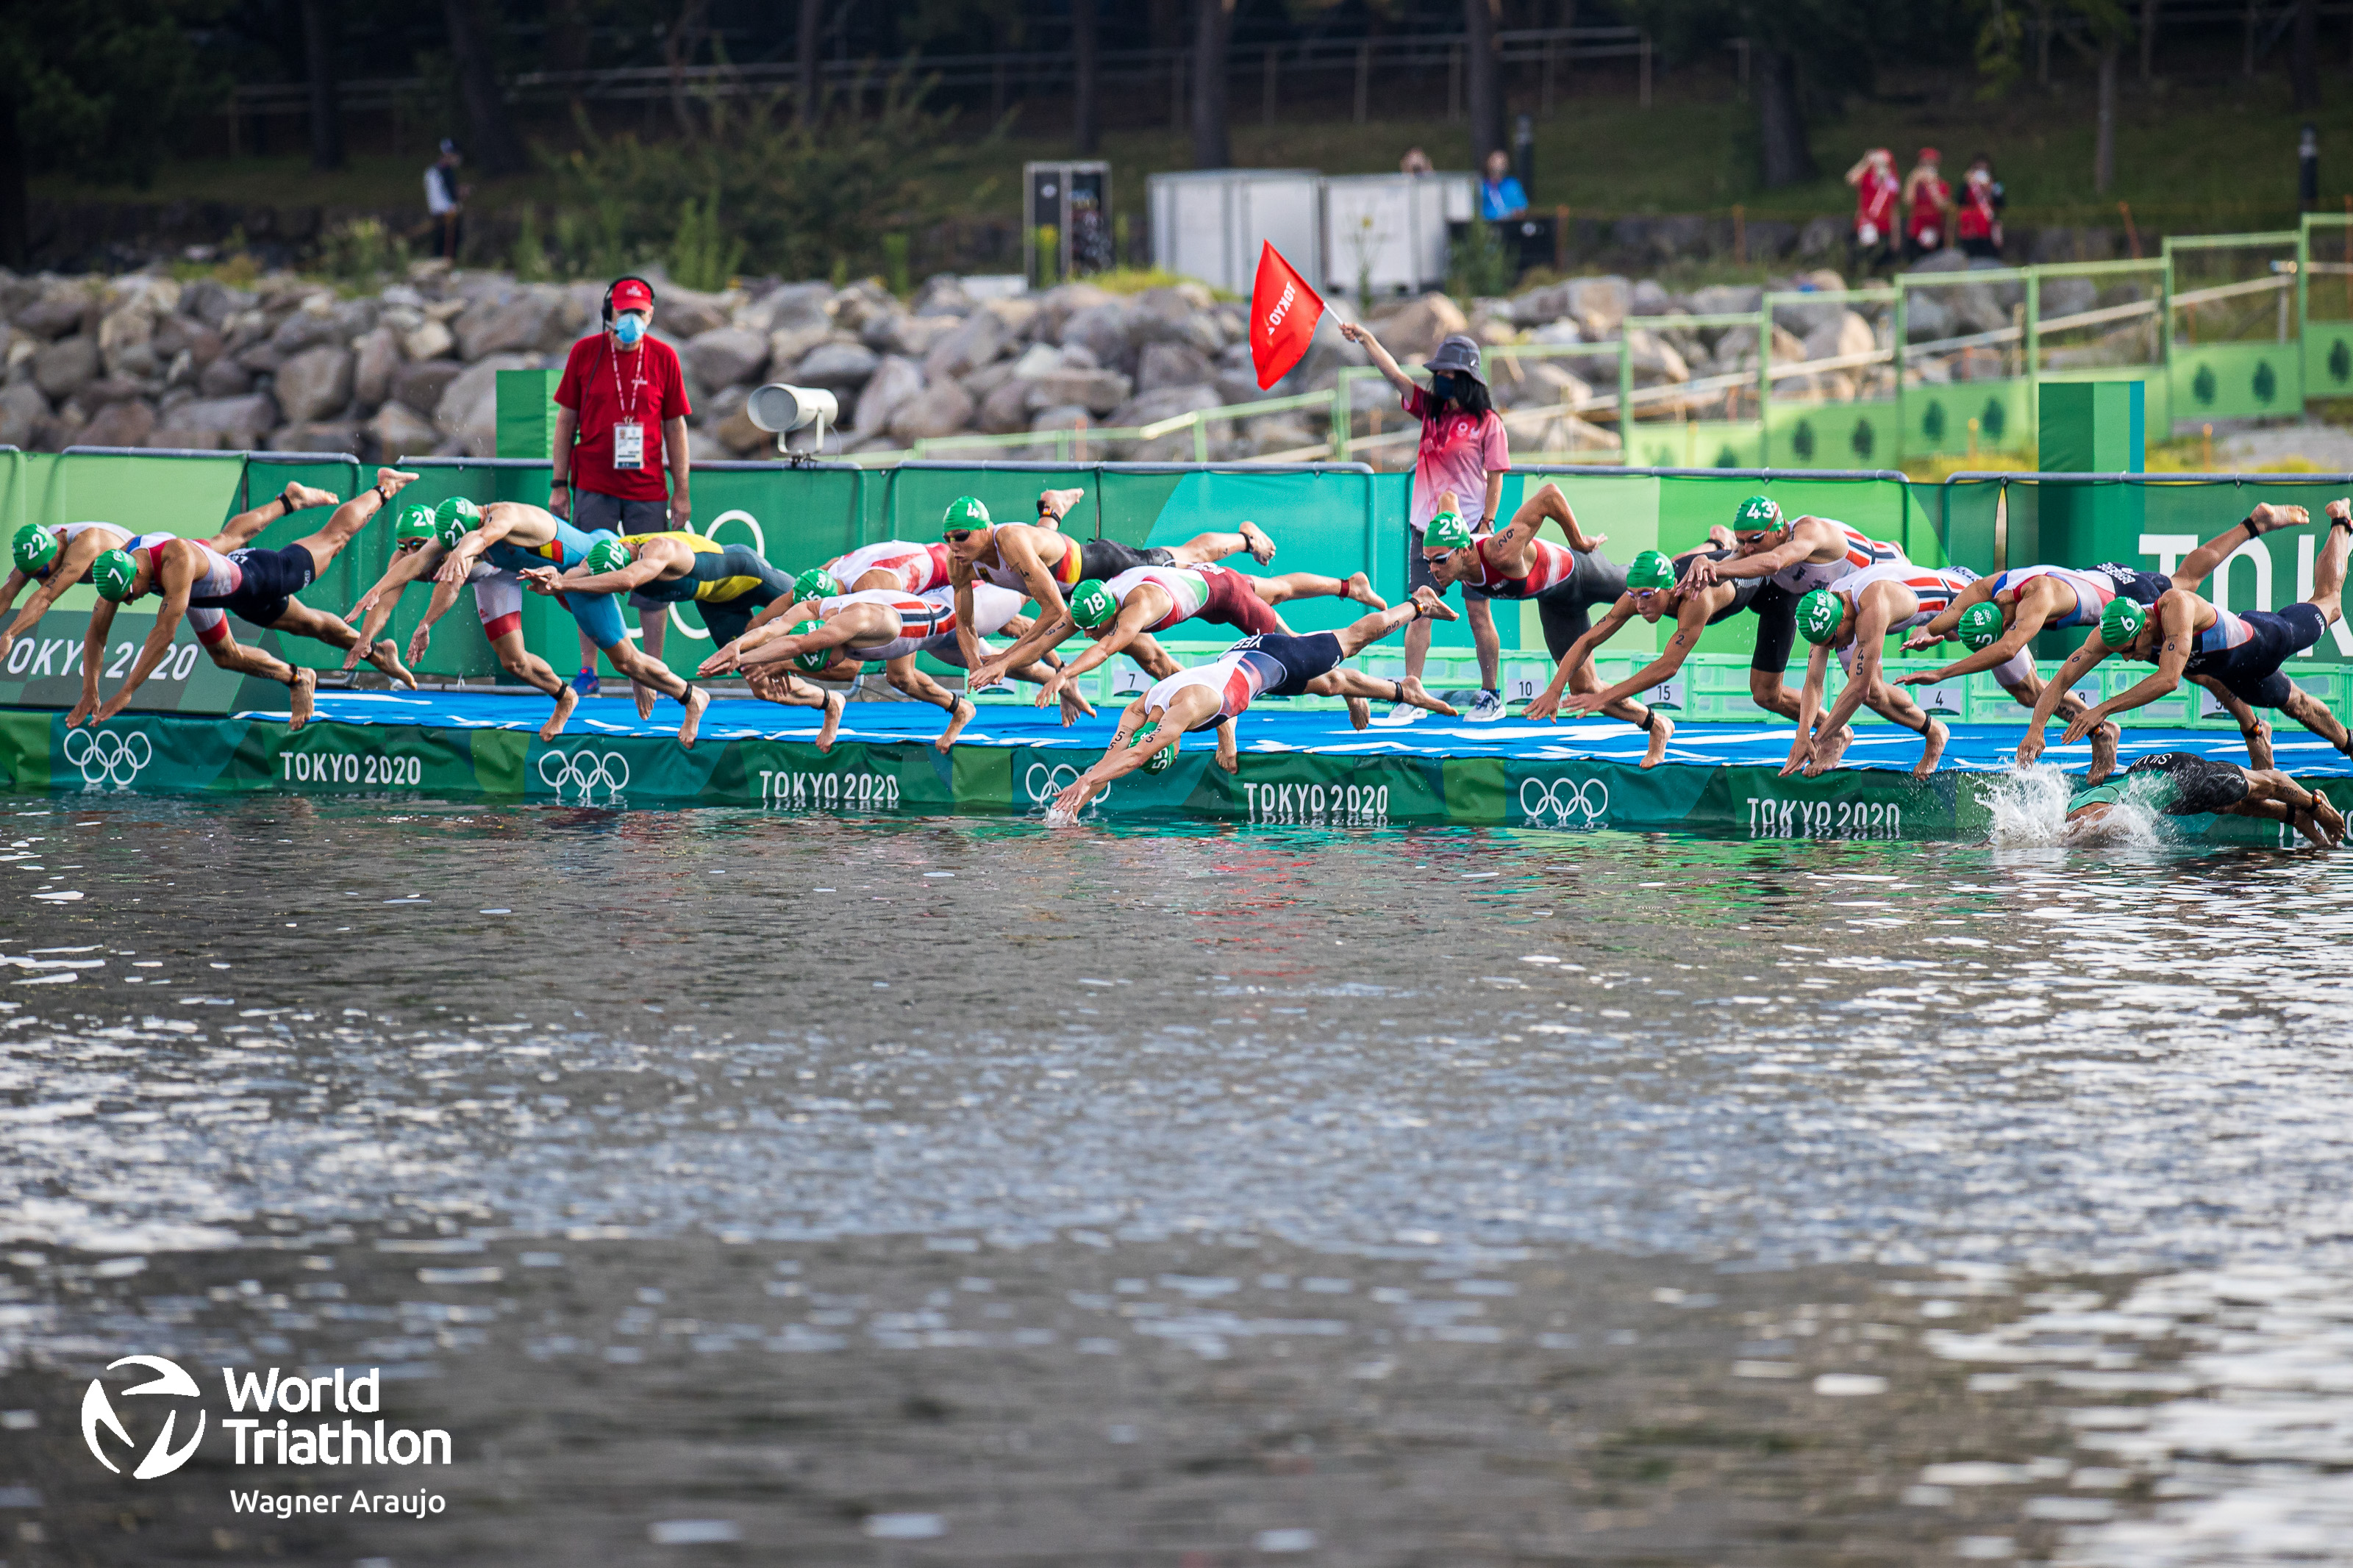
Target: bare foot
[
  {"x": 2103, "y": 753},
  {"x": 1720, "y": 537},
  {"x": 697, "y": 699},
  {"x": 960, "y": 714},
  {"x": 1415, "y": 697},
  {"x": 1436, "y": 608},
  {"x": 1837, "y": 745},
  {"x": 2259, "y": 745},
  {"x": 1258, "y": 543},
  {"x": 305, "y": 497},
  {"x": 1360, "y": 587},
  {"x": 304, "y": 690},
  {"x": 2325, "y": 817},
  {"x": 386, "y": 658},
  {"x": 834, "y": 704},
  {"x": 1935, "y": 735},
  {"x": 567, "y": 699},
  {"x": 1058, "y": 504},
  {"x": 1662, "y": 730},
  {"x": 1360, "y": 713},
  {"x": 645, "y": 696},
  {"x": 1231, "y": 762}
]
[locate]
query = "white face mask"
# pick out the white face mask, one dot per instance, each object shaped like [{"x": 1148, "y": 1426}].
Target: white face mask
[{"x": 630, "y": 326}]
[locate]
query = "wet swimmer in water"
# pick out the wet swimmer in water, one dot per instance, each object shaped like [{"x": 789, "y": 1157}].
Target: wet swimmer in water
[
  {"x": 2182, "y": 783},
  {"x": 421, "y": 540},
  {"x": 1216, "y": 694}
]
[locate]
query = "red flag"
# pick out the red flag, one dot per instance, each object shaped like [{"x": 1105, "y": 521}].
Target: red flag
[{"x": 1283, "y": 313}]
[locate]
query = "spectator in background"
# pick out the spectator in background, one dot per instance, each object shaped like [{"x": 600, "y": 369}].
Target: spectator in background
[
  {"x": 1978, "y": 223},
  {"x": 1415, "y": 162},
  {"x": 1875, "y": 186},
  {"x": 445, "y": 198},
  {"x": 2308, "y": 168},
  {"x": 620, "y": 421},
  {"x": 1927, "y": 201},
  {"x": 1499, "y": 196}
]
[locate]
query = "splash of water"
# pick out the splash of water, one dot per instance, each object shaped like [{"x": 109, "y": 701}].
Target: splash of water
[{"x": 2029, "y": 807}]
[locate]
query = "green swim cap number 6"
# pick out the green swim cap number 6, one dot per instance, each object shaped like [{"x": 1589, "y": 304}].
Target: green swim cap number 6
[{"x": 2121, "y": 622}]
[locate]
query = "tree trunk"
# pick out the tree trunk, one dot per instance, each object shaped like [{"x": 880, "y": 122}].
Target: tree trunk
[
  {"x": 1482, "y": 72},
  {"x": 812, "y": 24},
  {"x": 2304, "y": 61},
  {"x": 682, "y": 41},
  {"x": 15, "y": 239},
  {"x": 495, "y": 148},
  {"x": 1212, "y": 25},
  {"x": 326, "y": 107},
  {"x": 1084, "y": 127},
  {"x": 1780, "y": 125},
  {"x": 566, "y": 45},
  {"x": 2147, "y": 40},
  {"x": 2103, "y": 153}
]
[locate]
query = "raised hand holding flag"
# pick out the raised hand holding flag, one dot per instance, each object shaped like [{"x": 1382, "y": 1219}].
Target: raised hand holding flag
[{"x": 1284, "y": 314}]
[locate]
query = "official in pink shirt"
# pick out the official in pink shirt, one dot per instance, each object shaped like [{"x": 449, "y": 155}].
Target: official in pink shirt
[{"x": 1464, "y": 454}]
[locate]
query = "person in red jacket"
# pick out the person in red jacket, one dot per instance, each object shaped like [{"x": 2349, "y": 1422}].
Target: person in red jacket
[
  {"x": 1978, "y": 223},
  {"x": 1875, "y": 185},
  {"x": 620, "y": 458},
  {"x": 1927, "y": 201}
]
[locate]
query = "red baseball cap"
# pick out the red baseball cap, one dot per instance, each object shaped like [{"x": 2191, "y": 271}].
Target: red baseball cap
[
  {"x": 1930, "y": 155},
  {"x": 631, "y": 294}
]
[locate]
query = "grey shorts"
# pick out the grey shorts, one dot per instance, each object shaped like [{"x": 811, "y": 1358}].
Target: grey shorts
[
  {"x": 594, "y": 509},
  {"x": 1416, "y": 569}
]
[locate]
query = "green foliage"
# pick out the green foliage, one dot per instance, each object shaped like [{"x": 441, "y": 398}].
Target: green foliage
[
  {"x": 98, "y": 86},
  {"x": 362, "y": 251},
  {"x": 529, "y": 259},
  {"x": 894, "y": 265},
  {"x": 796, "y": 201},
  {"x": 1478, "y": 266},
  {"x": 702, "y": 255}
]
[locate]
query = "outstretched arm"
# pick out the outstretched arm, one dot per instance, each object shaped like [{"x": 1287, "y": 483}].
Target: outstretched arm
[
  {"x": 1045, "y": 634},
  {"x": 2080, "y": 663},
  {"x": 2029, "y": 618},
  {"x": 168, "y": 616},
  {"x": 1382, "y": 360},
  {"x": 636, "y": 574},
  {"x": 470, "y": 548},
  {"x": 1690, "y": 621},
  {"x": 2176, "y": 635},
  {"x": 1546, "y": 503},
  {"x": 1547, "y": 702},
  {"x": 93, "y": 654},
  {"x": 444, "y": 596},
  {"x": 1123, "y": 633},
  {"x": 1870, "y": 639},
  {"x": 1802, "y": 542}
]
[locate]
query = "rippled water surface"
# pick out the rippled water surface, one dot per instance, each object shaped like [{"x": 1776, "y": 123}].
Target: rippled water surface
[{"x": 738, "y": 1187}]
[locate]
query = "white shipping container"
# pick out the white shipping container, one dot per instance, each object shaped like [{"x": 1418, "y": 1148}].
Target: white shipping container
[
  {"x": 1208, "y": 223},
  {"x": 1388, "y": 232}
]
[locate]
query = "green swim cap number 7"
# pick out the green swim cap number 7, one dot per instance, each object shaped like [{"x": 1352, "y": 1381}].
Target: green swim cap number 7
[
  {"x": 1091, "y": 605},
  {"x": 2121, "y": 622},
  {"x": 1820, "y": 615},
  {"x": 113, "y": 574}
]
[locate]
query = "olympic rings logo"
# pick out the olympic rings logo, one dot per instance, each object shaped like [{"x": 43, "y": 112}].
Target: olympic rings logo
[
  {"x": 587, "y": 772},
  {"x": 107, "y": 758},
  {"x": 1044, "y": 781},
  {"x": 1565, "y": 801}
]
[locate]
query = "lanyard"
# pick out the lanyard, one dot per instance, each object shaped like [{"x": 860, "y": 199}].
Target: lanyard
[{"x": 628, "y": 403}]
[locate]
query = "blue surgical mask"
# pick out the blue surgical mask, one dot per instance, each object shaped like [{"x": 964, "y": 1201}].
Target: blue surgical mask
[
  {"x": 1441, "y": 386},
  {"x": 629, "y": 326}
]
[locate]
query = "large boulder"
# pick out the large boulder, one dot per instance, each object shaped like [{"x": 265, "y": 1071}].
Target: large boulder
[
  {"x": 400, "y": 431},
  {"x": 314, "y": 383},
  {"x": 1182, "y": 314},
  {"x": 1171, "y": 365},
  {"x": 1654, "y": 360},
  {"x": 725, "y": 356},
  {"x": 22, "y": 408},
  {"x": 313, "y": 324},
  {"x": 836, "y": 367},
  {"x": 1415, "y": 328},
  {"x": 468, "y": 411},
  {"x": 1007, "y": 409},
  {"x": 1599, "y": 305},
  {"x": 1060, "y": 303},
  {"x": 224, "y": 378},
  {"x": 1097, "y": 391},
  {"x": 739, "y": 436},
  {"x": 1166, "y": 402},
  {"x": 212, "y": 302},
  {"x": 421, "y": 386},
  {"x": 942, "y": 408},
  {"x": 973, "y": 343},
  {"x": 2067, "y": 297},
  {"x": 901, "y": 333},
  {"x": 231, "y": 424},
  {"x": 894, "y": 381},
  {"x": 1107, "y": 332},
  {"x": 375, "y": 356},
  {"x": 681, "y": 313},
  {"x": 1925, "y": 319},
  {"x": 1039, "y": 359},
  {"x": 1847, "y": 334},
  {"x": 941, "y": 295},
  {"x": 57, "y": 313},
  {"x": 507, "y": 326},
  {"x": 431, "y": 339},
  {"x": 66, "y": 366},
  {"x": 793, "y": 307},
  {"x": 125, "y": 424},
  {"x": 1725, "y": 300}
]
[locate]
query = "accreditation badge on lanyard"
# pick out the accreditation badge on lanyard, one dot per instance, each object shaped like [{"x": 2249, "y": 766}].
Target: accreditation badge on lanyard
[{"x": 629, "y": 431}]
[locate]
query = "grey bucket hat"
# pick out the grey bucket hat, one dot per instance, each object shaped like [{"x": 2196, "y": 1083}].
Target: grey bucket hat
[{"x": 1459, "y": 354}]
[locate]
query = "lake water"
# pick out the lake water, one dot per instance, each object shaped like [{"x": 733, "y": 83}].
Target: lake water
[{"x": 736, "y": 1187}]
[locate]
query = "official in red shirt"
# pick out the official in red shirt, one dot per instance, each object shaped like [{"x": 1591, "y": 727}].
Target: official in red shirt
[
  {"x": 1875, "y": 185},
  {"x": 1928, "y": 198},
  {"x": 621, "y": 425}
]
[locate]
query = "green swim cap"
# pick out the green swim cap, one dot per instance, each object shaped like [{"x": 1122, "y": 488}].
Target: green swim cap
[
  {"x": 455, "y": 509},
  {"x": 1447, "y": 532},
  {"x": 813, "y": 660},
  {"x": 1159, "y": 760},
  {"x": 607, "y": 555},
  {"x": 1091, "y": 605},
  {"x": 417, "y": 522},
  {"x": 1755, "y": 512},
  {"x": 1820, "y": 616},
  {"x": 1981, "y": 626},
  {"x": 1650, "y": 571},
  {"x": 2122, "y": 621},
  {"x": 33, "y": 548},
  {"x": 817, "y": 582},
  {"x": 114, "y": 572},
  {"x": 964, "y": 511}
]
